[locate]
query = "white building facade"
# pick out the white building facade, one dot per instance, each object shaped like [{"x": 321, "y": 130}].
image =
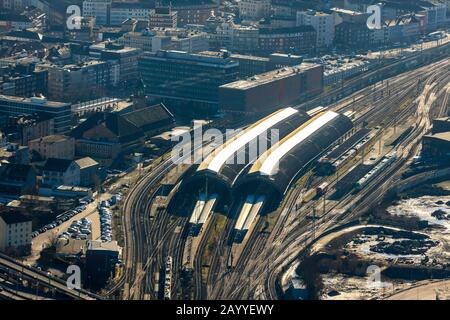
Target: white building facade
[
  {"x": 15, "y": 231},
  {"x": 323, "y": 23}
]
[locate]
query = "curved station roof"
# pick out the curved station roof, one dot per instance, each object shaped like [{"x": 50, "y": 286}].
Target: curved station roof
[
  {"x": 279, "y": 165},
  {"x": 226, "y": 162}
]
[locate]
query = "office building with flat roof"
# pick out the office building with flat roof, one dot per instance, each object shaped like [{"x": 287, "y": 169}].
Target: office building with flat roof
[
  {"x": 59, "y": 111},
  {"x": 163, "y": 17},
  {"x": 269, "y": 91},
  {"x": 187, "y": 80}
]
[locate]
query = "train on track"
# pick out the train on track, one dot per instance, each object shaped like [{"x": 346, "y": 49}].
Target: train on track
[
  {"x": 168, "y": 279},
  {"x": 384, "y": 163}
]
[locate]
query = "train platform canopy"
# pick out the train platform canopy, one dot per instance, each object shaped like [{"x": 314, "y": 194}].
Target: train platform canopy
[
  {"x": 218, "y": 158},
  {"x": 224, "y": 165},
  {"x": 279, "y": 166}
]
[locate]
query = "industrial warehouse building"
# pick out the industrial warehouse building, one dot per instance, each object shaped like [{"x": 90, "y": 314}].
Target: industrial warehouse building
[
  {"x": 266, "y": 92},
  {"x": 275, "y": 170}
]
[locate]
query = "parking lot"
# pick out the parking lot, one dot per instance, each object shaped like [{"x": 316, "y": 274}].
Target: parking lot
[{"x": 46, "y": 238}]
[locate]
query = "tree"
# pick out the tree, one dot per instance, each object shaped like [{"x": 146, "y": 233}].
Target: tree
[{"x": 309, "y": 272}]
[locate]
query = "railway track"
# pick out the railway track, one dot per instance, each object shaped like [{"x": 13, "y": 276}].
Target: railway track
[
  {"x": 142, "y": 261},
  {"x": 388, "y": 100},
  {"x": 382, "y": 183}
]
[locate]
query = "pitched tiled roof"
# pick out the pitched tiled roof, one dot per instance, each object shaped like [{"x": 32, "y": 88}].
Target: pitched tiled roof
[
  {"x": 150, "y": 118},
  {"x": 117, "y": 124}
]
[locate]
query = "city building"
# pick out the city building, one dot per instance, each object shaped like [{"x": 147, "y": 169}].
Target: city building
[
  {"x": 15, "y": 5},
  {"x": 57, "y": 172},
  {"x": 250, "y": 65},
  {"x": 347, "y": 15},
  {"x": 254, "y": 9},
  {"x": 336, "y": 73},
  {"x": 101, "y": 260},
  {"x": 181, "y": 40},
  {"x": 322, "y": 22},
  {"x": 61, "y": 112},
  {"x": 253, "y": 65},
  {"x": 151, "y": 120},
  {"x": 436, "y": 147},
  {"x": 403, "y": 29},
  {"x": 441, "y": 125},
  {"x": 14, "y": 153},
  {"x": 245, "y": 39},
  {"x": 89, "y": 174},
  {"x": 121, "y": 11},
  {"x": 166, "y": 39},
  {"x": 163, "y": 17},
  {"x": 55, "y": 11},
  {"x": 123, "y": 61},
  {"x": 187, "y": 81},
  {"x": 269, "y": 91},
  {"x": 33, "y": 126},
  {"x": 221, "y": 32},
  {"x": 53, "y": 146},
  {"x": 194, "y": 12},
  {"x": 100, "y": 9},
  {"x": 86, "y": 31},
  {"x": 15, "y": 231},
  {"x": 78, "y": 82},
  {"x": 16, "y": 180},
  {"x": 106, "y": 136},
  {"x": 23, "y": 79},
  {"x": 353, "y": 35},
  {"x": 13, "y": 21},
  {"x": 436, "y": 14},
  {"x": 281, "y": 21},
  {"x": 301, "y": 39},
  {"x": 142, "y": 40}
]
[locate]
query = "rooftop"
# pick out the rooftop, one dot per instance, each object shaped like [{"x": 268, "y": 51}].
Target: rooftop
[
  {"x": 346, "y": 11},
  {"x": 16, "y": 172},
  {"x": 205, "y": 57},
  {"x": 59, "y": 165},
  {"x": 304, "y": 28},
  {"x": 79, "y": 66},
  {"x": 111, "y": 47},
  {"x": 86, "y": 162},
  {"x": 268, "y": 162},
  {"x": 270, "y": 76},
  {"x": 52, "y": 138},
  {"x": 249, "y": 57},
  {"x": 218, "y": 158},
  {"x": 14, "y": 217},
  {"x": 444, "y": 136},
  {"x": 445, "y": 119},
  {"x": 100, "y": 245},
  {"x": 131, "y": 5},
  {"x": 33, "y": 100}
]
